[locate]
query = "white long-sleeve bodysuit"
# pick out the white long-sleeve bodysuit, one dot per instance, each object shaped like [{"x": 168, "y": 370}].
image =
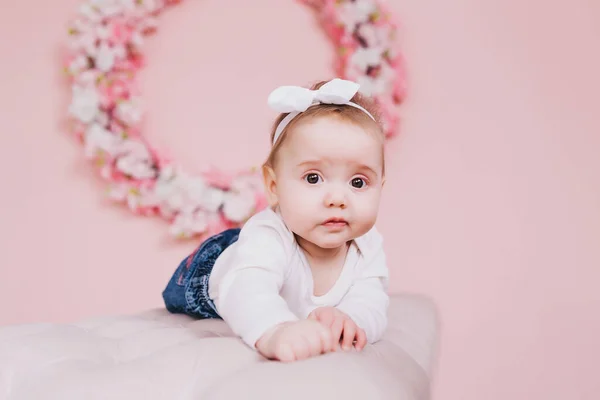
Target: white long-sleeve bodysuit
[{"x": 264, "y": 279}]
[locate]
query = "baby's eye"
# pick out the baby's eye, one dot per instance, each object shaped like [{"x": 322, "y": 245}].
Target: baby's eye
[
  {"x": 358, "y": 183},
  {"x": 313, "y": 179}
]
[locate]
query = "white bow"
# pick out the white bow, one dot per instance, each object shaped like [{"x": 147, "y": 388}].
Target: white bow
[
  {"x": 286, "y": 99},
  {"x": 295, "y": 99}
]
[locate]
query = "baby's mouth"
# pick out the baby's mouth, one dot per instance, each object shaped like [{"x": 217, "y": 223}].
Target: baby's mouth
[{"x": 335, "y": 223}]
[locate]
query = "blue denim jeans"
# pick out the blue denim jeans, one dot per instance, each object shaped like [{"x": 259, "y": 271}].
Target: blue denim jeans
[{"x": 187, "y": 290}]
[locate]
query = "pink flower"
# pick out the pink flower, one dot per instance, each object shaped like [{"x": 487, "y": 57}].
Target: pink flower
[
  {"x": 113, "y": 91},
  {"x": 120, "y": 33}
]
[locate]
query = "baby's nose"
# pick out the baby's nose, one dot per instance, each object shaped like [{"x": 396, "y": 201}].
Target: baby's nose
[{"x": 335, "y": 198}]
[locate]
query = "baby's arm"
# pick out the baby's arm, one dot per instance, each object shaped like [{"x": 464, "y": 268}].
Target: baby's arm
[
  {"x": 367, "y": 300},
  {"x": 250, "y": 303}
]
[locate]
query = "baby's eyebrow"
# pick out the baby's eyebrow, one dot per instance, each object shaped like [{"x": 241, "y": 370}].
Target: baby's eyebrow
[
  {"x": 310, "y": 163},
  {"x": 366, "y": 167},
  {"x": 359, "y": 166}
]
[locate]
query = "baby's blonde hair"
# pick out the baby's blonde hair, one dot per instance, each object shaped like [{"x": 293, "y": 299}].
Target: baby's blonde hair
[{"x": 343, "y": 112}]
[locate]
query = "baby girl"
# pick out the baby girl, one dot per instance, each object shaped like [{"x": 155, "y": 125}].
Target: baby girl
[{"x": 307, "y": 275}]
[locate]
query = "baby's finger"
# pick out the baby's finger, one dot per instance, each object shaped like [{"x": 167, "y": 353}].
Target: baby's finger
[
  {"x": 349, "y": 334},
  {"x": 314, "y": 343},
  {"x": 285, "y": 353},
  {"x": 336, "y": 332},
  {"x": 361, "y": 339},
  {"x": 327, "y": 343},
  {"x": 302, "y": 348}
]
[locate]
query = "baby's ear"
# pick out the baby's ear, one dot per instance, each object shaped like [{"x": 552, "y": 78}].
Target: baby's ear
[{"x": 270, "y": 182}]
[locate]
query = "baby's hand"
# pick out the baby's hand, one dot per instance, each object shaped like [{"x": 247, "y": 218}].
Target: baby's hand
[
  {"x": 294, "y": 341},
  {"x": 341, "y": 326}
]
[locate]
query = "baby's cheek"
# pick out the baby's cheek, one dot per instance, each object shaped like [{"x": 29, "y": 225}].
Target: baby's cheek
[
  {"x": 366, "y": 212},
  {"x": 296, "y": 214}
]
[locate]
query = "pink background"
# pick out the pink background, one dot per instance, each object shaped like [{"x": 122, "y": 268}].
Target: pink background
[{"x": 493, "y": 199}]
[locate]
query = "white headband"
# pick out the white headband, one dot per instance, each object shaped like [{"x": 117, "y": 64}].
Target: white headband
[{"x": 295, "y": 99}]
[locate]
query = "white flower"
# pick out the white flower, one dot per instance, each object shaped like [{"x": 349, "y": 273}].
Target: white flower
[
  {"x": 130, "y": 112},
  {"x": 119, "y": 51},
  {"x": 187, "y": 224},
  {"x": 150, "y": 5},
  {"x": 135, "y": 148},
  {"x": 88, "y": 11},
  {"x": 105, "y": 58},
  {"x": 374, "y": 86},
  {"x": 135, "y": 160},
  {"x": 78, "y": 64},
  {"x": 180, "y": 191},
  {"x": 102, "y": 32},
  {"x": 137, "y": 39},
  {"x": 247, "y": 182},
  {"x": 169, "y": 190},
  {"x": 208, "y": 198},
  {"x": 195, "y": 187},
  {"x": 85, "y": 104},
  {"x": 102, "y": 118},
  {"x": 117, "y": 192},
  {"x": 84, "y": 42},
  {"x": 167, "y": 182},
  {"x": 362, "y": 58},
  {"x": 148, "y": 199},
  {"x": 356, "y": 12},
  {"x": 140, "y": 199},
  {"x": 136, "y": 167},
  {"x": 375, "y": 36},
  {"x": 99, "y": 138},
  {"x": 199, "y": 221},
  {"x": 167, "y": 172},
  {"x": 84, "y": 36},
  {"x": 107, "y": 8},
  {"x": 87, "y": 79},
  {"x": 133, "y": 200},
  {"x": 238, "y": 207},
  {"x": 127, "y": 4},
  {"x": 213, "y": 199},
  {"x": 363, "y": 9},
  {"x": 163, "y": 187},
  {"x": 81, "y": 25},
  {"x": 174, "y": 200}
]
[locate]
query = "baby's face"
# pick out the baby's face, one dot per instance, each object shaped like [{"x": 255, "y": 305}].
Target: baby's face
[{"x": 329, "y": 177}]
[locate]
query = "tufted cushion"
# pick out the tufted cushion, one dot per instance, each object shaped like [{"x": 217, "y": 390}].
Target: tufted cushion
[{"x": 157, "y": 355}]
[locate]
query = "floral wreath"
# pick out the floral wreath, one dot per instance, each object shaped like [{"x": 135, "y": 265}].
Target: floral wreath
[{"x": 104, "y": 57}]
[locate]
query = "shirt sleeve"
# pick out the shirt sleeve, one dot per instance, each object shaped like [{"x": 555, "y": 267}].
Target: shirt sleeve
[
  {"x": 367, "y": 301},
  {"x": 249, "y": 299}
]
